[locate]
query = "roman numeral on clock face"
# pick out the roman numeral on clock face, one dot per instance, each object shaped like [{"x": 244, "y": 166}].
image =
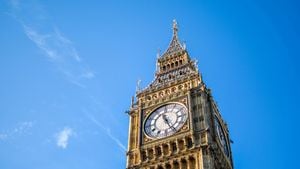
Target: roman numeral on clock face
[{"x": 165, "y": 120}]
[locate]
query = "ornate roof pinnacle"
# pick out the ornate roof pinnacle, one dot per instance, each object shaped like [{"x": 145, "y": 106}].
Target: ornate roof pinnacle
[
  {"x": 175, "y": 45},
  {"x": 175, "y": 28}
]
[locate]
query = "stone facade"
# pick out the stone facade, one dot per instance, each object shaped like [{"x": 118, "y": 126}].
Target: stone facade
[{"x": 203, "y": 140}]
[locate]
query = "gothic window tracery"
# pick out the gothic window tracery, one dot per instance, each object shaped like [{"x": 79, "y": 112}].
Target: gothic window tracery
[
  {"x": 176, "y": 165},
  {"x": 164, "y": 68},
  {"x": 144, "y": 156},
  {"x": 183, "y": 164},
  {"x": 181, "y": 144},
  {"x": 168, "y": 166},
  {"x": 192, "y": 163},
  {"x": 160, "y": 167},
  {"x": 165, "y": 149},
  {"x": 174, "y": 147},
  {"x": 189, "y": 142},
  {"x": 176, "y": 77},
  {"x": 158, "y": 151},
  {"x": 150, "y": 154}
]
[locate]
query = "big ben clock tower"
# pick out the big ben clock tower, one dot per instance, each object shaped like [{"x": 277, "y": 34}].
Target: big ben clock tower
[{"x": 174, "y": 122}]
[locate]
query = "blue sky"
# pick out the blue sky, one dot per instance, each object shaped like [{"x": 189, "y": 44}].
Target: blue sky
[{"x": 69, "y": 69}]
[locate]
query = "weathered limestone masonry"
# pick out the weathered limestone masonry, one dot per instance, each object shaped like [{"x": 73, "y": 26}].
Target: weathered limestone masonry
[{"x": 174, "y": 122}]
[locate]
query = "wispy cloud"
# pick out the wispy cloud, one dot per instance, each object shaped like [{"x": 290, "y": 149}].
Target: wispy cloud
[
  {"x": 15, "y": 3},
  {"x": 59, "y": 50},
  {"x": 106, "y": 131},
  {"x": 50, "y": 40},
  {"x": 63, "y": 136},
  {"x": 21, "y": 128},
  {"x": 3, "y": 136}
]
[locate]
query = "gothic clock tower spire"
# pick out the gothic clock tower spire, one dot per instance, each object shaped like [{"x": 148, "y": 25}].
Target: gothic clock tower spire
[{"x": 175, "y": 123}]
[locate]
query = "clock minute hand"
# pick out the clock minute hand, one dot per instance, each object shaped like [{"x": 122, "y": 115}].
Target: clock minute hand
[{"x": 167, "y": 121}]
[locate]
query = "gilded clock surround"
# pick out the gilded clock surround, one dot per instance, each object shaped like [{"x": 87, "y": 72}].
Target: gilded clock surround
[
  {"x": 185, "y": 126},
  {"x": 196, "y": 144},
  {"x": 172, "y": 128}
]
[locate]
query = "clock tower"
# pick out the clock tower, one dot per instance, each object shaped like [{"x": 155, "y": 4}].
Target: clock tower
[{"x": 175, "y": 122}]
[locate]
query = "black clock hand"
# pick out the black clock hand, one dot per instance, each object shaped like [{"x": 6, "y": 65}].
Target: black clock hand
[
  {"x": 178, "y": 110},
  {"x": 165, "y": 118},
  {"x": 168, "y": 123},
  {"x": 173, "y": 128}
]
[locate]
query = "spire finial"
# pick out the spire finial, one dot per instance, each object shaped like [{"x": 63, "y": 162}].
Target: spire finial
[
  {"x": 175, "y": 27},
  {"x": 132, "y": 101},
  {"x": 158, "y": 53},
  {"x": 174, "y": 46},
  {"x": 138, "y": 85}
]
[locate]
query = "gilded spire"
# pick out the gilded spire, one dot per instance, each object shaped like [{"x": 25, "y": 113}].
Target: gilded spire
[
  {"x": 174, "y": 46},
  {"x": 175, "y": 28}
]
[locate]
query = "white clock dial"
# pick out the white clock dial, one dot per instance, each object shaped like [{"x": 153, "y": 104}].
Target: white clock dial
[
  {"x": 221, "y": 136},
  {"x": 165, "y": 120}
]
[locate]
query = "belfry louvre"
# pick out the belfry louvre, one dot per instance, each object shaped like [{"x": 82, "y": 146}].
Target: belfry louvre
[{"x": 175, "y": 122}]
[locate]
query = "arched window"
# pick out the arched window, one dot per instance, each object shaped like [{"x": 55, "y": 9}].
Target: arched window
[
  {"x": 165, "y": 149},
  {"x": 168, "y": 166},
  {"x": 183, "y": 164},
  {"x": 160, "y": 167},
  {"x": 158, "y": 151},
  {"x": 192, "y": 162},
  {"x": 144, "y": 156},
  {"x": 189, "y": 142},
  {"x": 174, "y": 147},
  {"x": 176, "y": 165},
  {"x": 181, "y": 144},
  {"x": 150, "y": 154}
]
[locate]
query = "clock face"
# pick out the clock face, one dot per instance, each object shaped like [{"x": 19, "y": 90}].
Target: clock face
[
  {"x": 221, "y": 136},
  {"x": 165, "y": 120}
]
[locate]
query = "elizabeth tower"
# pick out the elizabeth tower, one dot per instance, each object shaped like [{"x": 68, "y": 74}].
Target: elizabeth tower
[{"x": 175, "y": 122}]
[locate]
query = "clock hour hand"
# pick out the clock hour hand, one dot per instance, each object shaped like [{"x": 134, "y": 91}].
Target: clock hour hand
[{"x": 167, "y": 121}]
